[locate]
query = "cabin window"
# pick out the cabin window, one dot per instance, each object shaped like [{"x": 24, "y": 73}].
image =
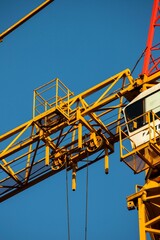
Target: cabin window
[{"x": 134, "y": 110}]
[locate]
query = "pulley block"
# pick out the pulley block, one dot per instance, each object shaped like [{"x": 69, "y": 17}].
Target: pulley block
[
  {"x": 95, "y": 143},
  {"x": 58, "y": 161}
]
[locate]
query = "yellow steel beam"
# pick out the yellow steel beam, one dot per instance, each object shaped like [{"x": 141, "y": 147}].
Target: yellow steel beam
[
  {"x": 16, "y": 130},
  {"x": 19, "y": 146},
  {"x": 14, "y": 140},
  {"x": 103, "y": 84},
  {"x": 153, "y": 221},
  {"x": 146, "y": 200},
  {"x": 47, "y": 155},
  {"x": 106, "y": 161},
  {"x": 74, "y": 177},
  {"x": 142, "y": 219},
  {"x": 68, "y": 138},
  {"x": 80, "y": 141},
  {"x": 10, "y": 172},
  {"x": 24, "y": 19}
]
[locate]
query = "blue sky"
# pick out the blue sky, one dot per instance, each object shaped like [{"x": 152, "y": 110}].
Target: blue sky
[{"x": 82, "y": 43}]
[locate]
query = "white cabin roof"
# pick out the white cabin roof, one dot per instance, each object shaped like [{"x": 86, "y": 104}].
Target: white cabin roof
[{"x": 145, "y": 93}]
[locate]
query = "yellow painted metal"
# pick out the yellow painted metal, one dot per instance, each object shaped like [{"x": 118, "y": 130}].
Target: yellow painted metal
[
  {"x": 9, "y": 171},
  {"x": 73, "y": 177},
  {"x": 80, "y": 135},
  {"x": 146, "y": 155},
  {"x": 106, "y": 162},
  {"x": 25, "y": 18},
  {"x": 147, "y": 201},
  {"x": 65, "y": 130},
  {"x": 141, "y": 217},
  {"x": 56, "y": 118},
  {"x": 47, "y": 155},
  {"x": 28, "y": 161},
  {"x": 52, "y": 94}
]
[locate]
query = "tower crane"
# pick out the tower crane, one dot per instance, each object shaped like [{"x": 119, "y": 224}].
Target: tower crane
[{"x": 66, "y": 129}]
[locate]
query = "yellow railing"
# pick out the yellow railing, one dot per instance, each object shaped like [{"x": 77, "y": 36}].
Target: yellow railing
[
  {"x": 139, "y": 156},
  {"x": 54, "y": 94}
]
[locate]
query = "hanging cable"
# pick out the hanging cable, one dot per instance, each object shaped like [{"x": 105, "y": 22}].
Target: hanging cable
[
  {"x": 86, "y": 210},
  {"x": 138, "y": 60},
  {"x": 67, "y": 202}
]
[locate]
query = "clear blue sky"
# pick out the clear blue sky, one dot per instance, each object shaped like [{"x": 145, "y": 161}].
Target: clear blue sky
[{"x": 82, "y": 43}]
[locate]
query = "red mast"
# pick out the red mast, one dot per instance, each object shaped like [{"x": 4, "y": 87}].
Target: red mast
[{"x": 152, "y": 57}]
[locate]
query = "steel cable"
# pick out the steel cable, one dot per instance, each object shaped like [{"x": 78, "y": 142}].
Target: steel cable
[
  {"x": 86, "y": 210},
  {"x": 67, "y": 203}
]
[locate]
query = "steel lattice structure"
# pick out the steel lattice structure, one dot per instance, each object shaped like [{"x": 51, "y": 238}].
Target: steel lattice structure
[{"x": 66, "y": 129}]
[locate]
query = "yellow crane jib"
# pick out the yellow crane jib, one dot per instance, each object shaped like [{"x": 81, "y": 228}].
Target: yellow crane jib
[
  {"x": 66, "y": 131},
  {"x": 72, "y": 132},
  {"x": 24, "y": 19}
]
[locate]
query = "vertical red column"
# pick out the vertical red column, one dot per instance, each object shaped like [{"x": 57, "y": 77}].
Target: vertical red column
[{"x": 152, "y": 53}]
